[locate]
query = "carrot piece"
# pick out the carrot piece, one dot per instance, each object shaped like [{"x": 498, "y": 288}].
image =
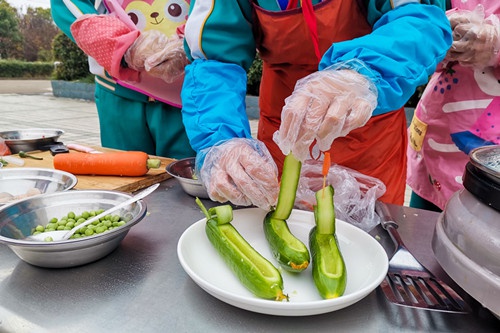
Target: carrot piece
[
  {"x": 326, "y": 167},
  {"x": 124, "y": 163},
  {"x": 326, "y": 164}
]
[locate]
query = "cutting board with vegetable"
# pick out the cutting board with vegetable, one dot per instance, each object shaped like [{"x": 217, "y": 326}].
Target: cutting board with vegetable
[{"x": 93, "y": 182}]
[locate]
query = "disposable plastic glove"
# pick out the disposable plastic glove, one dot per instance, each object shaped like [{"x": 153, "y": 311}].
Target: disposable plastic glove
[
  {"x": 476, "y": 39},
  {"x": 324, "y": 105},
  {"x": 159, "y": 55},
  {"x": 241, "y": 171}
]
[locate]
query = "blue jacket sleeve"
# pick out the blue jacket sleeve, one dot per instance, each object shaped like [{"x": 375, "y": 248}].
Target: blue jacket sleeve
[
  {"x": 400, "y": 54},
  {"x": 220, "y": 43},
  {"x": 214, "y": 110}
]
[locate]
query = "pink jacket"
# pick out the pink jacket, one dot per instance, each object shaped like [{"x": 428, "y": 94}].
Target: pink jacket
[{"x": 457, "y": 99}]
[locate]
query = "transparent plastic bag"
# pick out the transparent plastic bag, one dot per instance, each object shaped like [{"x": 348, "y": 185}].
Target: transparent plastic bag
[{"x": 355, "y": 193}]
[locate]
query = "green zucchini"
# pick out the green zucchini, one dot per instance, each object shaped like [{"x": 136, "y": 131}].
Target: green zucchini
[
  {"x": 287, "y": 249},
  {"x": 328, "y": 266},
  {"x": 254, "y": 271},
  {"x": 288, "y": 187},
  {"x": 290, "y": 252}
]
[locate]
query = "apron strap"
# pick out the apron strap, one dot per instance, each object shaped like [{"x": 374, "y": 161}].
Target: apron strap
[{"x": 310, "y": 18}]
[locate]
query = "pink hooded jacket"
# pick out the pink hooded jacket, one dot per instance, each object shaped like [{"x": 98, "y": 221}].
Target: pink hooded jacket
[{"x": 458, "y": 102}]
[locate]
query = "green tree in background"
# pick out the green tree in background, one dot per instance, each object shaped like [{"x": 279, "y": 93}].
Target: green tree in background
[
  {"x": 73, "y": 63},
  {"x": 10, "y": 37},
  {"x": 38, "y": 30}
]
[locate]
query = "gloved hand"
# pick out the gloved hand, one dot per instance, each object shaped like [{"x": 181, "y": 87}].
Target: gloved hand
[
  {"x": 241, "y": 171},
  {"x": 159, "y": 55},
  {"x": 324, "y": 105},
  {"x": 476, "y": 39}
]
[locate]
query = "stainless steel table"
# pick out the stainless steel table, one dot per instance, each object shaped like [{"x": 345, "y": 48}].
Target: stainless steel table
[{"x": 141, "y": 287}]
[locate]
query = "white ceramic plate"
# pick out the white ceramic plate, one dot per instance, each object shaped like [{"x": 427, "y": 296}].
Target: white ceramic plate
[{"x": 366, "y": 263}]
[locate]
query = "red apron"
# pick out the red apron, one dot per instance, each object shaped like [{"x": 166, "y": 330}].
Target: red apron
[{"x": 287, "y": 50}]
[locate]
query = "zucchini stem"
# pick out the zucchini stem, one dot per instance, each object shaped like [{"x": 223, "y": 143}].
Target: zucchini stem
[{"x": 221, "y": 214}]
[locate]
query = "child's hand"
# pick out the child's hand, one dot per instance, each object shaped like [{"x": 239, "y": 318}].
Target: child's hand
[{"x": 476, "y": 40}]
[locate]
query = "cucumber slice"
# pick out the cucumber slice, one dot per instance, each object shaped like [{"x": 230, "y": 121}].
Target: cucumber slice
[
  {"x": 288, "y": 187},
  {"x": 289, "y": 251},
  {"x": 254, "y": 271},
  {"x": 328, "y": 266}
]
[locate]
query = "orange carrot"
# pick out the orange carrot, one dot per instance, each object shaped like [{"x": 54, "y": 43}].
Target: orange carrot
[
  {"x": 326, "y": 164},
  {"x": 124, "y": 163},
  {"x": 326, "y": 167}
]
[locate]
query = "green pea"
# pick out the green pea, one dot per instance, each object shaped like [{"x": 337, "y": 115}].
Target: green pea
[
  {"x": 89, "y": 232},
  {"x": 40, "y": 228},
  {"x": 51, "y": 225},
  {"x": 71, "y": 215},
  {"x": 85, "y": 215},
  {"x": 100, "y": 230},
  {"x": 53, "y": 220}
]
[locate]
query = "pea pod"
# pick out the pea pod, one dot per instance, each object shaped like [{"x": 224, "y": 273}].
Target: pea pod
[
  {"x": 254, "y": 271},
  {"x": 287, "y": 249},
  {"x": 328, "y": 266}
]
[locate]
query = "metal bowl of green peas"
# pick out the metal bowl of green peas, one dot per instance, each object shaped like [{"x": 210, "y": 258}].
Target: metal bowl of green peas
[{"x": 58, "y": 210}]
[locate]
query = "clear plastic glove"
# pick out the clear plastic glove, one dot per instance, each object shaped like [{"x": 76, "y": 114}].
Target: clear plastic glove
[
  {"x": 324, "y": 105},
  {"x": 157, "y": 54},
  {"x": 476, "y": 39},
  {"x": 241, "y": 171}
]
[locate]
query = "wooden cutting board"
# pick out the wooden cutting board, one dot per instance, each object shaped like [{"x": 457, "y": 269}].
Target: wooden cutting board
[{"x": 124, "y": 184}]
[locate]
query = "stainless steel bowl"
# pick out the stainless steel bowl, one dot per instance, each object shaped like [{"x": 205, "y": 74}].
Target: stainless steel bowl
[
  {"x": 19, "y": 182},
  {"x": 183, "y": 171},
  {"x": 30, "y": 139},
  {"x": 19, "y": 219}
]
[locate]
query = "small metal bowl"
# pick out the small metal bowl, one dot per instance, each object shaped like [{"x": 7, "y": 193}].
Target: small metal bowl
[
  {"x": 30, "y": 139},
  {"x": 183, "y": 171},
  {"x": 19, "y": 219},
  {"x": 19, "y": 182}
]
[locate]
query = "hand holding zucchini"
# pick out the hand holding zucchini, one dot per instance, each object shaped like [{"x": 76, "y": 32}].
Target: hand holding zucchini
[
  {"x": 120, "y": 163},
  {"x": 328, "y": 266},
  {"x": 254, "y": 271},
  {"x": 288, "y": 250}
]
